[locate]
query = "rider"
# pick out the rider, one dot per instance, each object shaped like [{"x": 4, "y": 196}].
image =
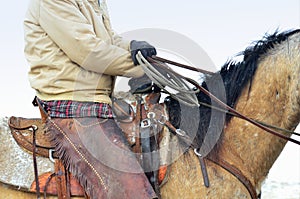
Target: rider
[{"x": 74, "y": 57}]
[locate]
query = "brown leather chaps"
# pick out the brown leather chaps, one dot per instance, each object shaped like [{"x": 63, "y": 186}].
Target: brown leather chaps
[{"x": 96, "y": 152}]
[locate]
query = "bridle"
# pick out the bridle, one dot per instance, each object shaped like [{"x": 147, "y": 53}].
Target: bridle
[{"x": 161, "y": 63}]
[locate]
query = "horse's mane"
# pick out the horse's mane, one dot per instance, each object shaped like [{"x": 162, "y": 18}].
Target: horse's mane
[{"x": 235, "y": 76}]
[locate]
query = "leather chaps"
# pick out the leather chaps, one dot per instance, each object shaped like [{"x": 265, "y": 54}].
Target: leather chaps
[{"x": 96, "y": 152}]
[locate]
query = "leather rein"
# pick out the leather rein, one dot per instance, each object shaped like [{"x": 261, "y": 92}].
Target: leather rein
[{"x": 228, "y": 110}]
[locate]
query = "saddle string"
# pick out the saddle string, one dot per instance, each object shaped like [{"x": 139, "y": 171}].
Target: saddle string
[
  {"x": 34, "y": 128},
  {"x": 222, "y": 104}
]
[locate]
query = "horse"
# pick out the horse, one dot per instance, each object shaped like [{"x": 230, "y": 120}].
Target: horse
[{"x": 264, "y": 86}]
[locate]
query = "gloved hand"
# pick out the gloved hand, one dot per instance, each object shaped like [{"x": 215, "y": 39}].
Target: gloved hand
[{"x": 146, "y": 49}]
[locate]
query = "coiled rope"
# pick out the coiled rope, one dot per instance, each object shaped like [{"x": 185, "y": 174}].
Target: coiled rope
[{"x": 170, "y": 82}]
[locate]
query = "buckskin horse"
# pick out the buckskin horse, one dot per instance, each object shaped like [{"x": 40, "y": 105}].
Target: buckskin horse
[{"x": 264, "y": 87}]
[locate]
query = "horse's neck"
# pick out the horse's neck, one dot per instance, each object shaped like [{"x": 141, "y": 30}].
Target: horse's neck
[{"x": 273, "y": 98}]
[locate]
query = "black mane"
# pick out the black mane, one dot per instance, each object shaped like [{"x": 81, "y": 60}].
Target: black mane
[
  {"x": 230, "y": 80},
  {"x": 236, "y": 75}
]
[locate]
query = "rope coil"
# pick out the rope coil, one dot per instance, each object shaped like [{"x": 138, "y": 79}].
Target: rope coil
[{"x": 186, "y": 94}]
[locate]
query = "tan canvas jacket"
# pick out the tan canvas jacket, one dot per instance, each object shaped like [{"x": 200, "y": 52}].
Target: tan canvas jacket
[{"x": 73, "y": 52}]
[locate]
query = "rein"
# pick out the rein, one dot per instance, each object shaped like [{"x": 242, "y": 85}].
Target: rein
[
  {"x": 181, "y": 65},
  {"x": 228, "y": 109}
]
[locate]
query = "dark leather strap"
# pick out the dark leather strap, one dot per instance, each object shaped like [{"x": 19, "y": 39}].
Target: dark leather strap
[
  {"x": 36, "y": 175},
  {"x": 237, "y": 173},
  {"x": 180, "y": 65},
  {"x": 62, "y": 180},
  {"x": 51, "y": 176},
  {"x": 204, "y": 171}
]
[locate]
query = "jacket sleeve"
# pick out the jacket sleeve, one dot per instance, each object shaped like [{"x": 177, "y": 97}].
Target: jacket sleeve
[
  {"x": 64, "y": 22},
  {"x": 121, "y": 42}
]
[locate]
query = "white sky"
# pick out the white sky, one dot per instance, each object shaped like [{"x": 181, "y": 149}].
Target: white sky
[{"x": 221, "y": 28}]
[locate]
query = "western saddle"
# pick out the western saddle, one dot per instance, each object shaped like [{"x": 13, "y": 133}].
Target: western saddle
[{"x": 142, "y": 119}]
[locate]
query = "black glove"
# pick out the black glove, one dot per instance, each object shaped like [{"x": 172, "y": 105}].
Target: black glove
[{"x": 146, "y": 49}]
